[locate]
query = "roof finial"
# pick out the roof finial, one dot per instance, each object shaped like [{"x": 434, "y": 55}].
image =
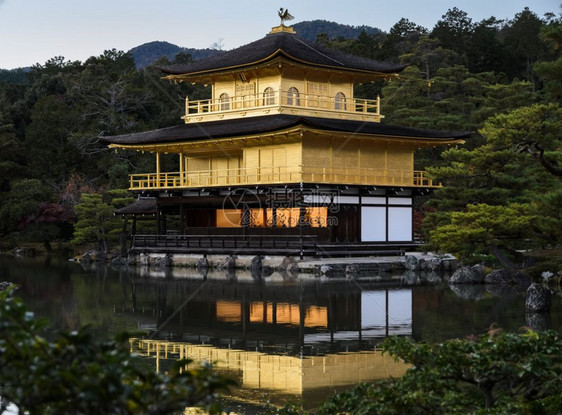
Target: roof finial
[{"x": 284, "y": 15}]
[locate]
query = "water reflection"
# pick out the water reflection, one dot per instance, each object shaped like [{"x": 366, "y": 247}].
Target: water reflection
[
  {"x": 296, "y": 318},
  {"x": 289, "y": 375},
  {"x": 303, "y": 336},
  {"x": 273, "y": 311}
]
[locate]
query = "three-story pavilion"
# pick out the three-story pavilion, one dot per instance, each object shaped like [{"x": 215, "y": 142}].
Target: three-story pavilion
[{"x": 282, "y": 158}]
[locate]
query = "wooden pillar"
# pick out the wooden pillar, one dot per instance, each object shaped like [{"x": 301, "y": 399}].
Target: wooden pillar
[
  {"x": 157, "y": 169},
  {"x": 182, "y": 173},
  {"x": 302, "y": 214},
  {"x": 164, "y": 224},
  {"x": 245, "y": 216},
  {"x": 273, "y": 216},
  {"x": 245, "y": 318},
  {"x": 386, "y": 311},
  {"x": 358, "y": 317},
  {"x": 182, "y": 220},
  {"x": 134, "y": 225},
  {"x": 302, "y": 316},
  {"x": 332, "y": 306},
  {"x": 158, "y": 225},
  {"x": 245, "y": 220}
]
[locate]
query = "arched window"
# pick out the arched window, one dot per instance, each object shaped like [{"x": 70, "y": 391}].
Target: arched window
[
  {"x": 224, "y": 100},
  {"x": 293, "y": 96},
  {"x": 268, "y": 96},
  {"x": 340, "y": 101}
]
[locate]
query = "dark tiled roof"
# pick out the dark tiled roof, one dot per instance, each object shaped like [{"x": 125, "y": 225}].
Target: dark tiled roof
[
  {"x": 269, "y": 123},
  {"x": 141, "y": 206},
  {"x": 287, "y": 45}
]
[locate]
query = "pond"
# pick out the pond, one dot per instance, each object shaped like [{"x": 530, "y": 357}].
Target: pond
[{"x": 280, "y": 339}]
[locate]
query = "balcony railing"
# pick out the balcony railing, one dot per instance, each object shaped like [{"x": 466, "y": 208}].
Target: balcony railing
[
  {"x": 280, "y": 175},
  {"x": 258, "y": 104}
]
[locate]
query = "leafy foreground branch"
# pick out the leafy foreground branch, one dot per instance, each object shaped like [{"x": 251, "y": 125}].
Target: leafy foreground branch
[
  {"x": 498, "y": 373},
  {"x": 44, "y": 371}
]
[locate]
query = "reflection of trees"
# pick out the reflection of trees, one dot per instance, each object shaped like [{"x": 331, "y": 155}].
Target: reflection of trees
[
  {"x": 46, "y": 287},
  {"x": 440, "y": 314},
  {"x": 101, "y": 295}
]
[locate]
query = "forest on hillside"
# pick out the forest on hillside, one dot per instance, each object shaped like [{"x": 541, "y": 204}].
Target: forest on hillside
[
  {"x": 500, "y": 79},
  {"x": 148, "y": 53}
]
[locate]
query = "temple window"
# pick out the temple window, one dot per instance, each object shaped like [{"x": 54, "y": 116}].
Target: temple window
[
  {"x": 229, "y": 218},
  {"x": 257, "y": 218},
  {"x": 318, "y": 93},
  {"x": 316, "y": 217},
  {"x": 340, "y": 101},
  {"x": 293, "y": 96},
  {"x": 224, "y": 101},
  {"x": 268, "y": 96},
  {"x": 246, "y": 93}
]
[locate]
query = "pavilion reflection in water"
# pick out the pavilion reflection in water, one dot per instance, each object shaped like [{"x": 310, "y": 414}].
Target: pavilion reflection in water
[
  {"x": 297, "y": 338},
  {"x": 280, "y": 373},
  {"x": 285, "y": 317}
]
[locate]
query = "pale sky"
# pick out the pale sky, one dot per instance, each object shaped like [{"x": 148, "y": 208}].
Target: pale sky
[{"x": 33, "y": 31}]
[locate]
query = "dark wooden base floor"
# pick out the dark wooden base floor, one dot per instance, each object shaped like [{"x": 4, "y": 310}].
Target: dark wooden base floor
[{"x": 292, "y": 245}]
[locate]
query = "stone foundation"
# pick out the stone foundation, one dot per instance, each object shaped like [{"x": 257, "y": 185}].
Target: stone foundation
[{"x": 266, "y": 266}]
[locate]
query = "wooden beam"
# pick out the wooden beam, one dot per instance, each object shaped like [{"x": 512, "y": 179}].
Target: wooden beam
[
  {"x": 182, "y": 164},
  {"x": 158, "y": 169}
]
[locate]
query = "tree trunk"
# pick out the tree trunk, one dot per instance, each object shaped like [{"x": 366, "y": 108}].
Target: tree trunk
[
  {"x": 537, "y": 152},
  {"x": 551, "y": 168},
  {"x": 487, "y": 388},
  {"x": 505, "y": 261}
]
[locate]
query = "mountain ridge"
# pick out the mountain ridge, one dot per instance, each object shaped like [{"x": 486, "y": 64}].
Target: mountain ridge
[{"x": 148, "y": 53}]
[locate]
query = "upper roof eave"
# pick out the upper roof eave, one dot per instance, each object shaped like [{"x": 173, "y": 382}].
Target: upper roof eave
[
  {"x": 288, "y": 45},
  {"x": 272, "y": 59}
]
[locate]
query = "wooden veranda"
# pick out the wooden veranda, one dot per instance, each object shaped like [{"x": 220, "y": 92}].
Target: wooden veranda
[{"x": 292, "y": 245}]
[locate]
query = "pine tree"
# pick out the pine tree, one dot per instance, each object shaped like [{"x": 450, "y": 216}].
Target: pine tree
[{"x": 96, "y": 222}]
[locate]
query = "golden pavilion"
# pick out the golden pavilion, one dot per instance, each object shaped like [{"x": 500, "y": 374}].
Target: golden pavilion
[{"x": 282, "y": 158}]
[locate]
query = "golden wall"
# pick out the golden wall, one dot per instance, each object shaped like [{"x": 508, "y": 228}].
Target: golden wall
[
  {"x": 273, "y": 163},
  {"x": 317, "y": 86},
  {"x": 294, "y": 156},
  {"x": 227, "y": 168},
  {"x": 341, "y": 160},
  {"x": 319, "y": 158},
  {"x": 318, "y": 83},
  {"x": 234, "y": 87}
]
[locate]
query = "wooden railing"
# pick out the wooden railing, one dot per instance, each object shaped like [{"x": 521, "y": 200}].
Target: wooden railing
[
  {"x": 283, "y": 98},
  {"x": 223, "y": 243},
  {"x": 277, "y": 175},
  {"x": 227, "y": 243}
]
